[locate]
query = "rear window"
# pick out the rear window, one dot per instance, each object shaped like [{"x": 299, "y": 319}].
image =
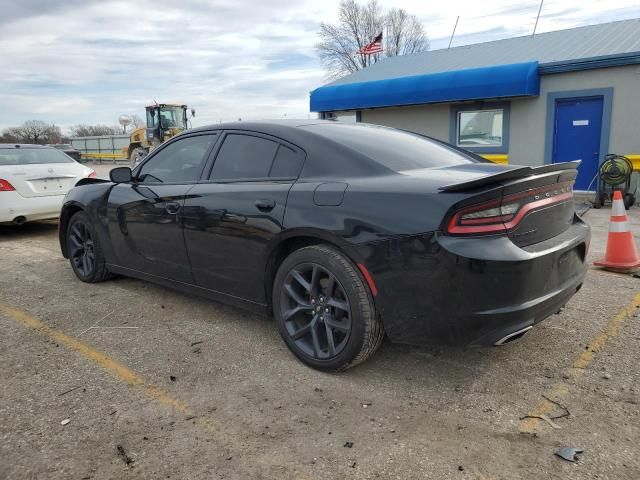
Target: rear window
[
  {"x": 394, "y": 149},
  {"x": 287, "y": 163},
  {"x": 244, "y": 156},
  {"x": 32, "y": 156}
]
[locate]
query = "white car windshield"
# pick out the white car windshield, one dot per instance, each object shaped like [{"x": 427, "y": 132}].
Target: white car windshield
[{"x": 32, "y": 156}]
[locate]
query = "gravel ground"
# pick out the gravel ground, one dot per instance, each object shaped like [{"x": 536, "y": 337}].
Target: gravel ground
[{"x": 193, "y": 389}]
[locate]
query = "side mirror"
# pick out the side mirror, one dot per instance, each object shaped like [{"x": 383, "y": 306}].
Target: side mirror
[
  {"x": 193, "y": 112},
  {"x": 120, "y": 175}
]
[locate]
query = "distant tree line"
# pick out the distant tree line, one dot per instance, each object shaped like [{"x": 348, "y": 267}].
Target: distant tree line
[
  {"x": 37, "y": 131},
  {"x": 33, "y": 131},
  {"x": 83, "y": 130}
]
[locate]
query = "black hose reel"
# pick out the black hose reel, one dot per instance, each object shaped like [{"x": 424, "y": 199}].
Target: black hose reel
[{"x": 615, "y": 174}]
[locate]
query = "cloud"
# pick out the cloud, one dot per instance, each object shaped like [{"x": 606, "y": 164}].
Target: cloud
[{"x": 87, "y": 61}]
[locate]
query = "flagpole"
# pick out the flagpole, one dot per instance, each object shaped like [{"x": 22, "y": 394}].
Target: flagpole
[
  {"x": 454, "y": 32},
  {"x": 537, "y": 18}
]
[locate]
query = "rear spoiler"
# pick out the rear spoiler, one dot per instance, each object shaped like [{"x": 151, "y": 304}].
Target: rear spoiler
[{"x": 514, "y": 173}]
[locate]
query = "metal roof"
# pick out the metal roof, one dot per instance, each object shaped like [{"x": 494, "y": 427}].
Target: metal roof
[{"x": 562, "y": 46}]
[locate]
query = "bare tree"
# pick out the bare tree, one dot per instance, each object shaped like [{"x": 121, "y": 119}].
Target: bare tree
[
  {"x": 357, "y": 26},
  {"x": 404, "y": 34},
  {"x": 33, "y": 131},
  {"x": 93, "y": 130},
  {"x": 9, "y": 136},
  {"x": 137, "y": 121}
]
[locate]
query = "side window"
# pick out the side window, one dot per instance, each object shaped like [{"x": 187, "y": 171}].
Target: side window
[
  {"x": 179, "y": 162},
  {"x": 287, "y": 163},
  {"x": 244, "y": 156}
]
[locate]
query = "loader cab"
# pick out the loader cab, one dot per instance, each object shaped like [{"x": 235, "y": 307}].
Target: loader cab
[{"x": 165, "y": 121}]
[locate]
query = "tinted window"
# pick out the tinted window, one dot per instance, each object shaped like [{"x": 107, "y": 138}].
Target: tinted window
[
  {"x": 244, "y": 156},
  {"x": 287, "y": 163},
  {"x": 394, "y": 149},
  {"x": 32, "y": 156},
  {"x": 179, "y": 162}
]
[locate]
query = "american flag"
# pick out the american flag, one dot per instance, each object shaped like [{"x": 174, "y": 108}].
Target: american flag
[{"x": 373, "y": 47}]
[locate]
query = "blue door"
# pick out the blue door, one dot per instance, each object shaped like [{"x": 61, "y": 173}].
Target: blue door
[{"x": 576, "y": 136}]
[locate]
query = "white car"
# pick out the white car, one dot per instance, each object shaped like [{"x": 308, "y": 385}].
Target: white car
[{"x": 34, "y": 180}]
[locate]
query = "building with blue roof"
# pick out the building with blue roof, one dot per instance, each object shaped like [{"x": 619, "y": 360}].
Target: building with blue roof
[{"x": 553, "y": 97}]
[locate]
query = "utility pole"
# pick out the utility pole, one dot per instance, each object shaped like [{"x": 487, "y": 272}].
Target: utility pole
[
  {"x": 454, "y": 32},
  {"x": 537, "y": 18}
]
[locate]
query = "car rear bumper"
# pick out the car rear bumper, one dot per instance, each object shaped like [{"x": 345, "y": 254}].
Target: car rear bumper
[
  {"x": 14, "y": 206},
  {"x": 434, "y": 289}
]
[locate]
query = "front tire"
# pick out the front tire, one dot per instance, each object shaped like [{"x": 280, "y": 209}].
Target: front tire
[
  {"x": 85, "y": 253},
  {"x": 324, "y": 310},
  {"x": 136, "y": 156}
]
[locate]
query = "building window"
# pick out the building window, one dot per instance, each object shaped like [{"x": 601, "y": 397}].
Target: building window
[
  {"x": 344, "y": 117},
  {"x": 481, "y": 128}
]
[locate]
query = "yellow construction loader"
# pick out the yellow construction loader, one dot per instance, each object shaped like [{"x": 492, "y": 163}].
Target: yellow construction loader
[{"x": 164, "y": 120}]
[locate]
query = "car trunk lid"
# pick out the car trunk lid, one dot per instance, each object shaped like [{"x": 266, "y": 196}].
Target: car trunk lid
[
  {"x": 40, "y": 180},
  {"x": 529, "y": 204}
]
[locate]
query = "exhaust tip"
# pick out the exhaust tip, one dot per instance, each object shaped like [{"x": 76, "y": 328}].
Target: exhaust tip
[
  {"x": 513, "y": 336},
  {"x": 21, "y": 220}
]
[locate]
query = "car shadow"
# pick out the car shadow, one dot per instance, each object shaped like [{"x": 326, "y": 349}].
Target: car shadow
[
  {"x": 31, "y": 229},
  {"x": 456, "y": 370},
  {"x": 451, "y": 368}
]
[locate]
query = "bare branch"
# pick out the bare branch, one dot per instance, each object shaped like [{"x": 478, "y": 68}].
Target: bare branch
[
  {"x": 93, "y": 130},
  {"x": 32, "y": 131},
  {"x": 357, "y": 26}
]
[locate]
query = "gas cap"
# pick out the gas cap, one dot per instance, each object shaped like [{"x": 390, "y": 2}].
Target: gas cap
[{"x": 329, "y": 194}]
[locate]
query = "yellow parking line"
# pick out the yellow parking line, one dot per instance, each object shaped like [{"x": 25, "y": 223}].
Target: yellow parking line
[
  {"x": 130, "y": 378},
  {"x": 560, "y": 390},
  {"x": 112, "y": 366}
]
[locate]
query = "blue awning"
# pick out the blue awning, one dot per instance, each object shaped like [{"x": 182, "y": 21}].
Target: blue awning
[{"x": 500, "y": 81}]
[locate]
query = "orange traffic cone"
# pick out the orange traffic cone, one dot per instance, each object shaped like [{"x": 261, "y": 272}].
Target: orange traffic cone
[{"x": 621, "y": 254}]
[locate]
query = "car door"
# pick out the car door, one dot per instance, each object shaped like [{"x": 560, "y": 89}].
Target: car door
[
  {"x": 230, "y": 218},
  {"x": 145, "y": 215}
]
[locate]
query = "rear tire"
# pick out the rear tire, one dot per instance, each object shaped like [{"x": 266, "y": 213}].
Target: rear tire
[
  {"x": 324, "y": 310},
  {"x": 84, "y": 250},
  {"x": 598, "y": 202},
  {"x": 629, "y": 200}
]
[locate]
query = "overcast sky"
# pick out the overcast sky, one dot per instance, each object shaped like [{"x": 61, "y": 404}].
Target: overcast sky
[{"x": 87, "y": 61}]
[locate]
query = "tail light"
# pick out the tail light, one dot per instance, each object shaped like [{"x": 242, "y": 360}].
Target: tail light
[
  {"x": 5, "y": 186},
  {"x": 501, "y": 216},
  {"x": 92, "y": 174}
]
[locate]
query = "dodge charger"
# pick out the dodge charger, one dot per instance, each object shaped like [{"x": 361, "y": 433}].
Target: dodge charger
[{"x": 345, "y": 233}]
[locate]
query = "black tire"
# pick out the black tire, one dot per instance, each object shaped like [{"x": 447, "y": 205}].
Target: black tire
[
  {"x": 136, "y": 155},
  {"x": 350, "y": 336},
  {"x": 604, "y": 197},
  {"x": 84, "y": 250},
  {"x": 629, "y": 200},
  {"x": 597, "y": 202}
]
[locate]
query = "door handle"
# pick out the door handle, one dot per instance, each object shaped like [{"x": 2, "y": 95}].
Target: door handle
[
  {"x": 265, "y": 205},
  {"x": 172, "y": 208}
]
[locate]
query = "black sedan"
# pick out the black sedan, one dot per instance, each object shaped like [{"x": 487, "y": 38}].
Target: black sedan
[
  {"x": 69, "y": 150},
  {"x": 344, "y": 232}
]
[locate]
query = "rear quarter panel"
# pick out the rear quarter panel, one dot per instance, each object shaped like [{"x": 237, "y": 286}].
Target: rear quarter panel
[{"x": 372, "y": 209}]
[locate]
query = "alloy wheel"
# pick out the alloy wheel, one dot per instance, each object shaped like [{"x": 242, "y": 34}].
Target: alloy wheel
[
  {"x": 81, "y": 248},
  {"x": 315, "y": 311}
]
